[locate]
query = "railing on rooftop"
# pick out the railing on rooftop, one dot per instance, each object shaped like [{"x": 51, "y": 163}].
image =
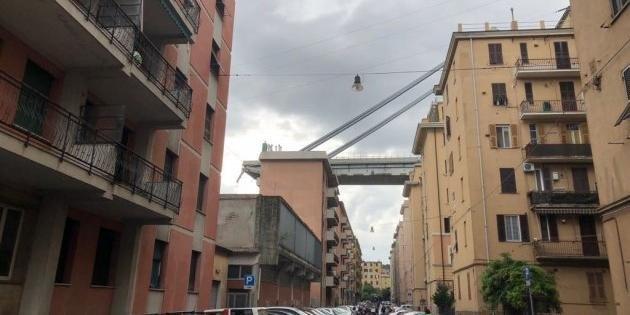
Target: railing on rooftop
[
  {"x": 552, "y": 106},
  {"x": 569, "y": 249},
  {"x": 28, "y": 115},
  {"x": 112, "y": 21},
  {"x": 191, "y": 10},
  {"x": 506, "y": 26},
  {"x": 546, "y": 64}
]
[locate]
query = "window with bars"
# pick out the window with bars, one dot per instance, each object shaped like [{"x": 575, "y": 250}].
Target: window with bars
[
  {"x": 499, "y": 94},
  {"x": 496, "y": 54}
]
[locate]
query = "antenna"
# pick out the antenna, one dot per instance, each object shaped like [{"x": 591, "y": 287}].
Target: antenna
[{"x": 512, "y": 11}]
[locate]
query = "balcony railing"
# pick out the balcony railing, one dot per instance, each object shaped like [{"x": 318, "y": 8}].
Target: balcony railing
[
  {"x": 552, "y": 106},
  {"x": 112, "y": 21},
  {"x": 563, "y": 197},
  {"x": 570, "y": 249},
  {"x": 28, "y": 115},
  {"x": 547, "y": 64},
  {"x": 191, "y": 10},
  {"x": 558, "y": 150}
]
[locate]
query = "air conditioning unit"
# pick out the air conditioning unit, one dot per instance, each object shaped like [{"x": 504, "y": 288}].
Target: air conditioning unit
[{"x": 528, "y": 167}]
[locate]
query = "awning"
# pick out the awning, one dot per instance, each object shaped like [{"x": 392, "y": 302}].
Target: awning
[
  {"x": 625, "y": 114},
  {"x": 572, "y": 210}
]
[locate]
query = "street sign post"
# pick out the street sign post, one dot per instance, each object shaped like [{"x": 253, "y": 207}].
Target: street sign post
[
  {"x": 528, "y": 283},
  {"x": 250, "y": 282}
]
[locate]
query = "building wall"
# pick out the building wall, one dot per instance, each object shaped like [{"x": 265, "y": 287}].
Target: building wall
[
  {"x": 418, "y": 286},
  {"x": 221, "y": 261},
  {"x": 600, "y": 40}
]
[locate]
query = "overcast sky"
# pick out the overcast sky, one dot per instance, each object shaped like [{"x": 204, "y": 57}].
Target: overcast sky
[{"x": 302, "y": 56}]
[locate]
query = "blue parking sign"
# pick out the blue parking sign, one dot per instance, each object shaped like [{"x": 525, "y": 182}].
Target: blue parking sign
[{"x": 250, "y": 282}]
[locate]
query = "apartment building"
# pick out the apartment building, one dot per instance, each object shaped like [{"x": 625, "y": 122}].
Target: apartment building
[
  {"x": 372, "y": 271},
  {"x": 428, "y": 181},
  {"x": 401, "y": 258},
  {"x": 386, "y": 280},
  {"x": 316, "y": 202},
  {"x": 601, "y": 35},
  {"x": 274, "y": 245},
  {"x": 112, "y": 124},
  {"x": 514, "y": 164}
]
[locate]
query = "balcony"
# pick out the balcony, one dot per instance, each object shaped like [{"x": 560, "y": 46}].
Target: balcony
[
  {"x": 47, "y": 148},
  {"x": 332, "y": 219},
  {"x": 119, "y": 64},
  {"x": 332, "y": 239},
  {"x": 559, "y": 153},
  {"x": 553, "y": 110},
  {"x": 332, "y": 259},
  {"x": 571, "y": 252},
  {"x": 172, "y": 21},
  {"x": 547, "y": 68},
  {"x": 563, "y": 197}
]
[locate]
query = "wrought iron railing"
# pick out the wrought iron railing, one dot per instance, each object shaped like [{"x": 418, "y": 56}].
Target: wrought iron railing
[
  {"x": 28, "y": 115},
  {"x": 533, "y": 150},
  {"x": 191, "y": 10},
  {"x": 552, "y": 106},
  {"x": 566, "y": 63},
  {"x": 563, "y": 197},
  {"x": 112, "y": 21},
  {"x": 569, "y": 249}
]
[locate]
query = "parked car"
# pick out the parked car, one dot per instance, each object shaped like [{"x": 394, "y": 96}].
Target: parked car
[{"x": 238, "y": 311}]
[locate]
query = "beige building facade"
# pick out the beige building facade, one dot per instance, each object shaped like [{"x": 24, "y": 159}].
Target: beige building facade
[
  {"x": 601, "y": 35},
  {"x": 507, "y": 167}
]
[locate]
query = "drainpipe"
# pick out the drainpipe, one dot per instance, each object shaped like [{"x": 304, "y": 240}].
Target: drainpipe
[{"x": 483, "y": 184}]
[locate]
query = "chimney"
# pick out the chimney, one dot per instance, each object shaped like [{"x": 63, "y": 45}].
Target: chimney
[
  {"x": 514, "y": 25},
  {"x": 486, "y": 26},
  {"x": 460, "y": 27},
  {"x": 542, "y": 24}
]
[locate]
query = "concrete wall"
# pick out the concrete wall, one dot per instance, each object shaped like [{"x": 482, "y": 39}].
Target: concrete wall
[{"x": 238, "y": 215}]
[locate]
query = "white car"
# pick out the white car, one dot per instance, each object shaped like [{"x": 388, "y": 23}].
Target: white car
[{"x": 237, "y": 311}]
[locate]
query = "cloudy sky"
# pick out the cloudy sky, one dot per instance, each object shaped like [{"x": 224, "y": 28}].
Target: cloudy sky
[{"x": 297, "y": 60}]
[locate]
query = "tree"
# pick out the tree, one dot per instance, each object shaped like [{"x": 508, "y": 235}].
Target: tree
[
  {"x": 503, "y": 283},
  {"x": 386, "y": 294},
  {"x": 443, "y": 298},
  {"x": 369, "y": 293}
]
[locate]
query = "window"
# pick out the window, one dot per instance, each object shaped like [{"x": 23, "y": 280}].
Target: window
[
  {"x": 499, "y": 94},
  {"x": 596, "y": 291},
  {"x": 513, "y": 228},
  {"x": 447, "y": 225},
  {"x": 220, "y": 5},
  {"x": 239, "y": 271},
  {"x": 626, "y": 78},
  {"x": 194, "y": 267},
  {"x": 459, "y": 148},
  {"x": 461, "y": 187},
  {"x": 468, "y": 281},
  {"x": 448, "y": 127},
  {"x": 68, "y": 248},
  {"x": 239, "y": 299},
  {"x": 503, "y": 136},
  {"x": 618, "y": 6},
  {"x": 105, "y": 259},
  {"x": 496, "y": 54},
  {"x": 529, "y": 93},
  {"x": 201, "y": 192},
  {"x": 451, "y": 165},
  {"x": 465, "y": 235},
  {"x": 573, "y": 134},
  {"x": 215, "y": 66},
  {"x": 524, "y": 54},
  {"x": 170, "y": 164},
  {"x": 508, "y": 180},
  {"x": 459, "y": 289},
  {"x": 533, "y": 134},
  {"x": 159, "y": 253},
  {"x": 209, "y": 124},
  {"x": 549, "y": 227},
  {"x": 10, "y": 224}
]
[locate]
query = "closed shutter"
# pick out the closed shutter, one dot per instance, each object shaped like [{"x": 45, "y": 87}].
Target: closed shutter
[
  {"x": 501, "y": 227},
  {"x": 524, "y": 228},
  {"x": 563, "y": 133},
  {"x": 541, "y": 133},
  {"x": 584, "y": 129},
  {"x": 514, "y": 133},
  {"x": 493, "y": 136},
  {"x": 553, "y": 228}
]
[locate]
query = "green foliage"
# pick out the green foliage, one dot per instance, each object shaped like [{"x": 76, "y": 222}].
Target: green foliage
[
  {"x": 503, "y": 283},
  {"x": 370, "y": 293},
  {"x": 443, "y": 297}
]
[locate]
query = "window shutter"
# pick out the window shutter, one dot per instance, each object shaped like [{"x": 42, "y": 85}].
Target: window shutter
[
  {"x": 553, "y": 228},
  {"x": 563, "y": 133},
  {"x": 541, "y": 133},
  {"x": 514, "y": 134},
  {"x": 584, "y": 129},
  {"x": 501, "y": 227},
  {"x": 493, "y": 136},
  {"x": 592, "y": 294},
  {"x": 524, "y": 228}
]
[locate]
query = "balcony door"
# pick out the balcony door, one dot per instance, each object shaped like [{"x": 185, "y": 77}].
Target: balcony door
[
  {"x": 543, "y": 179},
  {"x": 31, "y": 111},
  {"x": 580, "y": 180},
  {"x": 567, "y": 96},
  {"x": 588, "y": 233},
  {"x": 562, "y": 55}
]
